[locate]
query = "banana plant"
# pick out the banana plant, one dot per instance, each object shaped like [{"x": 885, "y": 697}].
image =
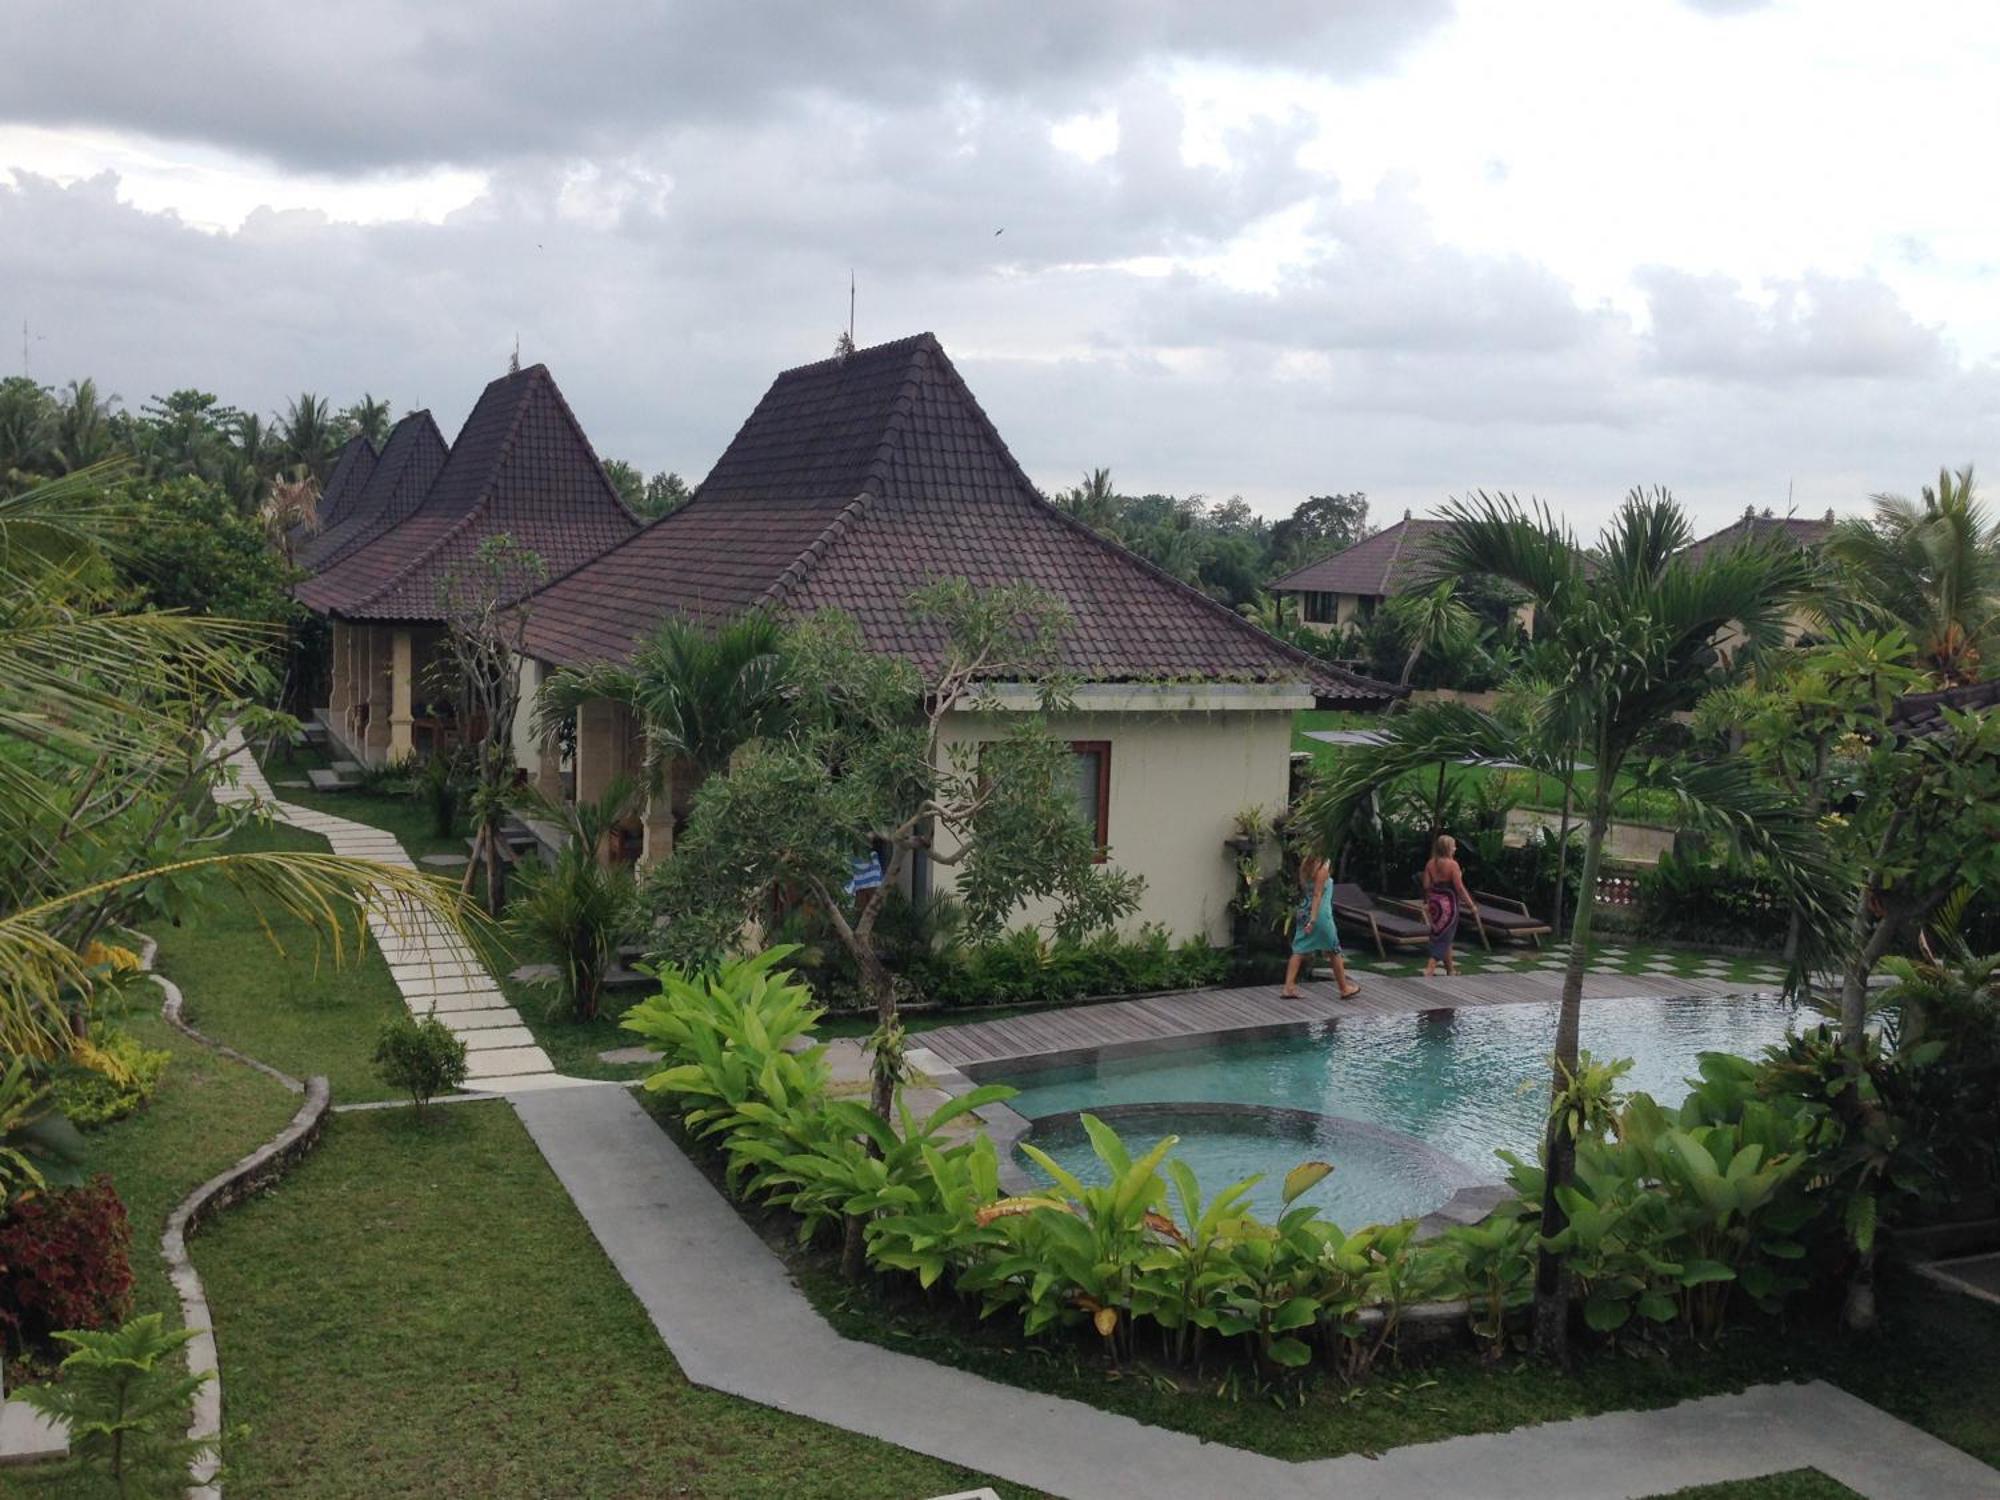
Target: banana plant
[
  {"x": 1187, "y": 1298},
  {"x": 1495, "y": 1260}
]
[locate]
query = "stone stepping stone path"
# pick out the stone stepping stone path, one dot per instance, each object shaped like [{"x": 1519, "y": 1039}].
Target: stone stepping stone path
[
  {"x": 434, "y": 968},
  {"x": 326, "y": 781},
  {"x": 444, "y": 861}
]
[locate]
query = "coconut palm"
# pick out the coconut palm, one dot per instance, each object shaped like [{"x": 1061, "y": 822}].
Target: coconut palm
[
  {"x": 1933, "y": 567},
  {"x": 1274, "y": 614},
  {"x": 1630, "y": 641},
  {"x": 1093, "y": 502},
  {"x": 1426, "y": 621},
  {"x": 307, "y": 438},
  {"x": 112, "y": 725},
  {"x": 84, "y": 434},
  {"x": 697, "y": 694},
  {"x": 290, "y": 511},
  {"x": 368, "y": 418}
]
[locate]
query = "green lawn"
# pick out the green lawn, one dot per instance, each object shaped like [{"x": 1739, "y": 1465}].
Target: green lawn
[
  {"x": 409, "y": 819},
  {"x": 291, "y": 1006},
  {"x": 1794, "y": 1484},
  {"x": 209, "y": 1113},
  {"x": 420, "y": 1310}
]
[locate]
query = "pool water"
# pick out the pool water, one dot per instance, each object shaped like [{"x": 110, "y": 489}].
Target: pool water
[{"x": 1462, "y": 1083}]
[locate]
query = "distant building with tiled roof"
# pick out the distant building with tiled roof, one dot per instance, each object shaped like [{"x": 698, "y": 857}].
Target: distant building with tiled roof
[
  {"x": 1801, "y": 531},
  {"x": 855, "y": 482},
  {"x": 1346, "y": 587},
  {"x": 521, "y": 467},
  {"x": 397, "y": 481},
  {"x": 1920, "y": 715}
]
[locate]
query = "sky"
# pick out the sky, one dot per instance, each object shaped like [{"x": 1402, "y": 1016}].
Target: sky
[{"x": 1275, "y": 249}]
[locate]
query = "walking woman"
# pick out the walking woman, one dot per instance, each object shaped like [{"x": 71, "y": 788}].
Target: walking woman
[
  {"x": 1445, "y": 900},
  {"x": 1313, "y": 930}
]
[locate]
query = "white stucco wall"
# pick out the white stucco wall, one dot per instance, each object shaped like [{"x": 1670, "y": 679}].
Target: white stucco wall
[
  {"x": 528, "y": 749},
  {"x": 1178, "y": 779}
]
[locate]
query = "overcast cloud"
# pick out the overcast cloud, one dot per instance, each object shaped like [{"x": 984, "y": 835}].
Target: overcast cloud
[{"x": 1270, "y": 249}]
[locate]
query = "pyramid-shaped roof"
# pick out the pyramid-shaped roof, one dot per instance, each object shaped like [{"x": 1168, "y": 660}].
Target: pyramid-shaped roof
[
  {"x": 1799, "y": 531},
  {"x": 396, "y": 485},
  {"x": 858, "y": 481},
  {"x": 351, "y": 468},
  {"x": 1392, "y": 561},
  {"x": 521, "y": 466}
]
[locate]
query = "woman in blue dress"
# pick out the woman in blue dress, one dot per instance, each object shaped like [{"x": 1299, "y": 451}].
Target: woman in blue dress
[{"x": 1313, "y": 930}]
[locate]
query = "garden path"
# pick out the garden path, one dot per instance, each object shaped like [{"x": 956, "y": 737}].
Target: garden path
[
  {"x": 728, "y": 1310},
  {"x": 436, "y": 971}
]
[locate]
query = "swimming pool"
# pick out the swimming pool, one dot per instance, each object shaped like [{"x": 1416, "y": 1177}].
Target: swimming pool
[{"x": 1461, "y": 1084}]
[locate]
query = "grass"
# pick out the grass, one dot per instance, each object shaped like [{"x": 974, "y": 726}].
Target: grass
[
  {"x": 1793, "y": 1484},
  {"x": 208, "y": 1114},
  {"x": 461, "y": 1333},
  {"x": 290, "y": 1005},
  {"x": 409, "y": 819}
]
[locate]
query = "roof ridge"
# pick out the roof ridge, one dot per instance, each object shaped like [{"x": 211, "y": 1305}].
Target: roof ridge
[
  {"x": 421, "y": 556},
  {"x": 356, "y": 544},
  {"x": 597, "y": 464},
  {"x": 1402, "y": 530},
  {"x": 800, "y": 568}
]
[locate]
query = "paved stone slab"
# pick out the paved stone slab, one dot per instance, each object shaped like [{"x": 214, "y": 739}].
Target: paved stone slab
[
  {"x": 327, "y": 781},
  {"x": 467, "y": 1021},
  {"x": 27, "y": 1437},
  {"x": 538, "y": 1083},
  {"x": 445, "y": 861},
  {"x": 502, "y": 1062},
  {"x": 445, "y": 1005},
  {"x": 631, "y": 1055},
  {"x": 488, "y": 1038}
]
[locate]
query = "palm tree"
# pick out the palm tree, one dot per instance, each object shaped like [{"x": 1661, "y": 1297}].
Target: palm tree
[
  {"x": 1631, "y": 640},
  {"x": 1274, "y": 614},
  {"x": 112, "y": 724},
  {"x": 368, "y": 418},
  {"x": 1093, "y": 502},
  {"x": 290, "y": 511},
  {"x": 306, "y": 439},
  {"x": 697, "y": 694},
  {"x": 1431, "y": 619},
  {"x": 84, "y": 433},
  {"x": 1932, "y": 567}
]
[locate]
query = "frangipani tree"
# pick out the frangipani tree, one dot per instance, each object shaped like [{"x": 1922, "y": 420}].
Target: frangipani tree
[
  {"x": 1627, "y": 633},
  {"x": 869, "y": 762}
]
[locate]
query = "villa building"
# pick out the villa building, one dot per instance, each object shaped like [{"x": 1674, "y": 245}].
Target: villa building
[
  {"x": 522, "y": 468},
  {"x": 858, "y": 480},
  {"x": 396, "y": 483},
  {"x": 1348, "y": 587},
  {"x": 1797, "y": 531}
]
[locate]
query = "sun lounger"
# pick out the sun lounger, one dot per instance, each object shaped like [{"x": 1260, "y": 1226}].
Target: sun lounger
[
  {"x": 1389, "y": 924},
  {"x": 1505, "y": 917}
]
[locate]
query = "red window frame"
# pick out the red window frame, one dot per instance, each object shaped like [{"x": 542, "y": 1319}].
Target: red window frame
[{"x": 1102, "y": 750}]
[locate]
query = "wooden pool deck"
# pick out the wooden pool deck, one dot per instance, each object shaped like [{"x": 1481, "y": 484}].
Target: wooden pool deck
[{"x": 1126, "y": 1027}]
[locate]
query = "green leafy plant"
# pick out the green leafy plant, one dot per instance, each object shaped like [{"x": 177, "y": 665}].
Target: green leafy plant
[
  {"x": 122, "y": 1397},
  {"x": 38, "y": 1148},
  {"x": 420, "y": 1055},
  {"x": 116, "y": 1075},
  {"x": 576, "y": 912}
]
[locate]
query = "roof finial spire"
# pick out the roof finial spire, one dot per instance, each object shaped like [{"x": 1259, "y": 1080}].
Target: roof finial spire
[
  {"x": 514, "y": 359},
  {"x": 844, "y": 345}
]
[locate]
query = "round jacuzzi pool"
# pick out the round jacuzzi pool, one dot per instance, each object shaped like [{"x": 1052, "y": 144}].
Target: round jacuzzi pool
[{"x": 1378, "y": 1176}]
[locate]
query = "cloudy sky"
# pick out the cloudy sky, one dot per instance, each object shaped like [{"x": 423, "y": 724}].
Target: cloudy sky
[{"x": 1271, "y": 248}]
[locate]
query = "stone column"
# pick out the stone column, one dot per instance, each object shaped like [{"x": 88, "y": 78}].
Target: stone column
[
  {"x": 403, "y": 675},
  {"x": 658, "y": 822},
  {"x": 340, "y": 691},
  {"x": 381, "y": 678}
]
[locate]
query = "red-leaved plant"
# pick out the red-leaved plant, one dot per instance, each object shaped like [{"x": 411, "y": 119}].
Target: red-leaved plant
[{"x": 64, "y": 1263}]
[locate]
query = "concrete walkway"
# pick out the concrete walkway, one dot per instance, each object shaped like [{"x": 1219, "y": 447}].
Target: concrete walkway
[
  {"x": 435, "y": 970},
  {"x": 727, "y": 1308}
]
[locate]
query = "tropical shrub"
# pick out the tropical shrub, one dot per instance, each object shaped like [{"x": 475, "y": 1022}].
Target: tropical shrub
[
  {"x": 39, "y": 1149},
  {"x": 1028, "y": 968},
  {"x": 123, "y": 1395},
  {"x": 66, "y": 1258},
  {"x": 115, "y": 1075},
  {"x": 420, "y": 1055},
  {"x": 1712, "y": 900}
]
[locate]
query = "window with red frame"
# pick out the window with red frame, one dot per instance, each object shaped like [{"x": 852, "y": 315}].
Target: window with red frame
[{"x": 1093, "y": 789}]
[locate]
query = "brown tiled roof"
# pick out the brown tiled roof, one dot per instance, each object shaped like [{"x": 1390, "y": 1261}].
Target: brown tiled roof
[
  {"x": 521, "y": 466},
  {"x": 1794, "y": 529},
  {"x": 351, "y": 468},
  {"x": 397, "y": 484},
  {"x": 1922, "y": 714},
  {"x": 856, "y": 482},
  {"x": 1390, "y": 562}
]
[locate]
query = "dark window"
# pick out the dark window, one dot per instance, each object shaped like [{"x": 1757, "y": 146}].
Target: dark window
[
  {"x": 1319, "y": 607},
  {"x": 1093, "y": 789}
]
